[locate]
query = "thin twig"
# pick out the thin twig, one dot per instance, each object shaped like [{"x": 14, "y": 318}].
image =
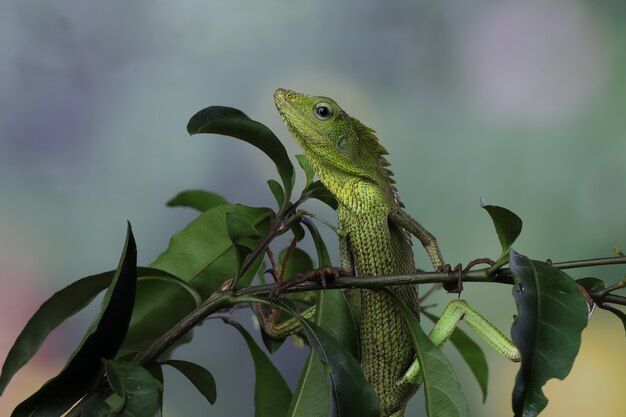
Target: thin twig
[{"x": 612, "y": 260}]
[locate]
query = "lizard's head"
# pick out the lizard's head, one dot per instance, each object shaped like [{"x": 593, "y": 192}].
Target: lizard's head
[{"x": 339, "y": 147}]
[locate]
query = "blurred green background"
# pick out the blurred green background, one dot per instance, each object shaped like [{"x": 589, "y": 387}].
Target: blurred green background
[{"x": 521, "y": 103}]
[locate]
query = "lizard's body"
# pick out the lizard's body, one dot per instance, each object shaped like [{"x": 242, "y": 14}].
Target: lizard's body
[
  {"x": 350, "y": 162},
  {"x": 380, "y": 247}
]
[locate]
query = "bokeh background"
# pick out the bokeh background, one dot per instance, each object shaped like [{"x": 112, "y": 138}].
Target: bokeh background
[{"x": 521, "y": 103}]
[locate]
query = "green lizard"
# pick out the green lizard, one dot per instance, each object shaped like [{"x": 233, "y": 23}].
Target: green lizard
[{"x": 375, "y": 240}]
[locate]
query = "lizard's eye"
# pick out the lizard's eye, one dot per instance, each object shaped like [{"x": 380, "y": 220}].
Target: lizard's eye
[{"x": 323, "y": 111}]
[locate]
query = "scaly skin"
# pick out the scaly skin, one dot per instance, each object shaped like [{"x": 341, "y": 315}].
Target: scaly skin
[{"x": 349, "y": 160}]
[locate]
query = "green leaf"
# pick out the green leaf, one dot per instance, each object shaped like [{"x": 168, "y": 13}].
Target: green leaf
[
  {"x": 54, "y": 311},
  {"x": 508, "y": 226},
  {"x": 353, "y": 395},
  {"x": 552, "y": 315},
  {"x": 307, "y": 168},
  {"x": 203, "y": 255},
  {"x": 318, "y": 191},
  {"x": 277, "y": 191},
  {"x": 116, "y": 382},
  {"x": 157, "y": 373},
  {"x": 297, "y": 230},
  {"x": 156, "y": 274},
  {"x": 102, "y": 340},
  {"x": 197, "y": 199},
  {"x": 311, "y": 397},
  {"x": 62, "y": 305},
  {"x": 136, "y": 386},
  {"x": 299, "y": 262},
  {"x": 241, "y": 232},
  {"x": 442, "y": 389},
  {"x": 95, "y": 405},
  {"x": 199, "y": 377},
  {"x": 232, "y": 122},
  {"x": 271, "y": 393},
  {"x": 183, "y": 298},
  {"x": 272, "y": 345},
  {"x": 471, "y": 352},
  {"x": 323, "y": 259}
]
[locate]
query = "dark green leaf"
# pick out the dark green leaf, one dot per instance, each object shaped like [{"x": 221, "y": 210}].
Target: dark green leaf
[
  {"x": 157, "y": 373},
  {"x": 508, "y": 225},
  {"x": 333, "y": 314},
  {"x": 311, "y": 397},
  {"x": 102, "y": 340},
  {"x": 552, "y": 315},
  {"x": 591, "y": 283},
  {"x": 318, "y": 191},
  {"x": 323, "y": 259},
  {"x": 240, "y": 232},
  {"x": 471, "y": 353},
  {"x": 307, "y": 168},
  {"x": 197, "y": 199},
  {"x": 298, "y": 263},
  {"x": 277, "y": 191},
  {"x": 247, "y": 277},
  {"x": 54, "y": 311},
  {"x": 272, "y": 345},
  {"x": 62, "y": 305},
  {"x": 157, "y": 283},
  {"x": 353, "y": 395},
  {"x": 442, "y": 389},
  {"x": 297, "y": 230},
  {"x": 201, "y": 254},
  {"x": 137, "y": 386},
  {"x": 232, "y": 122},
  {"x": 156, "y": 274},
  {"x": 199, "y": 377},
  {"x": 116, "y": 382},
  {"x": 94, "y": 405},
  {"x": 271, "y": 393}
]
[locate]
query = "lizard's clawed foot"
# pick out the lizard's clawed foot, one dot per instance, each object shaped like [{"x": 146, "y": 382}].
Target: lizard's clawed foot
[
  {"x": 450, "y": 286},
  {"x": 323, "y": 275},
  {"x": 457, "y": 287}
]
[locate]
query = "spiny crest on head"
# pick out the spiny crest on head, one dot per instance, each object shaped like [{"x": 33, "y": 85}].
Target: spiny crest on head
[{"x": 367, "y": 134}]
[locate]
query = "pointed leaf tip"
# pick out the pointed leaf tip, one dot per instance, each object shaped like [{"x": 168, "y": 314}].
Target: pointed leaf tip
[
  {"x": 272, "y": 395},
  {"x": 234, "y": 123},
  {"x": 508, "y": 226},
  {"x": 102, "y": 340},
  {"x": 201, "y": 378}
]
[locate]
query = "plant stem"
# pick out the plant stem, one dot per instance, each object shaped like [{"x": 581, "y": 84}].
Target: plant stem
[
  {"x": 215, "y": 302},
  {"x": 221, "y": 300}
]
